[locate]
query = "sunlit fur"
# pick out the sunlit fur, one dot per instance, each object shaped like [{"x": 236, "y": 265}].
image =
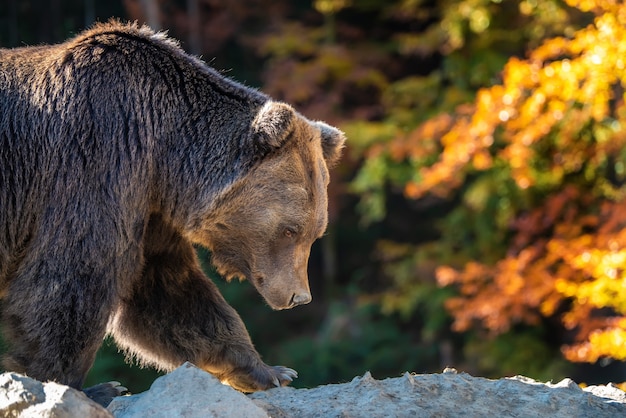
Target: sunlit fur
[{"x": 118, "y": 152}]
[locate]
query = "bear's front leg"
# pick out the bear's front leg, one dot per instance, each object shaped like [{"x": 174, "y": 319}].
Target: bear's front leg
[
  {"x": 55, "y": 315},
  {"x": 229, "y": 354},
  {"x": 174, "y": 313}
]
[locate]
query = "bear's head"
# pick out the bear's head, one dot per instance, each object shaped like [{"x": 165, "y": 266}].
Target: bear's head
[{"x": 268, "y": 220}]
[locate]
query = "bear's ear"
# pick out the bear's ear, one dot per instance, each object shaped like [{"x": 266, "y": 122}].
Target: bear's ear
[
  {"x": 273, "y": 125},
  {"x": 332, "y": 143}
]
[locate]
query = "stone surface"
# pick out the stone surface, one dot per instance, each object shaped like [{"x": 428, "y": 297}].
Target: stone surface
[
  {"x": 23, "y": 397},
  {"x": 190, "y": 392},
  {"x": 449, "y": 394},
  {"x": 187, "y": 392}
]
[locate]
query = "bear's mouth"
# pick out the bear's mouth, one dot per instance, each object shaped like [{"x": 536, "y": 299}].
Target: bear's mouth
[
  {"x": 261, "y": 286},
  {"x": 278, "y": 302},
  {"x": 259, "y": 281}
]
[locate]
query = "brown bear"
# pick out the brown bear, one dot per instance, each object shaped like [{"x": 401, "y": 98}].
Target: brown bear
[{"x": 118, "y": 153}]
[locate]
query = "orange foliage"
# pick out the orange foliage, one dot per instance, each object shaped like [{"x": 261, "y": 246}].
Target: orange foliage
[
  {"x": 539, "y": 95},
  {"x": 557, "y": 126}
]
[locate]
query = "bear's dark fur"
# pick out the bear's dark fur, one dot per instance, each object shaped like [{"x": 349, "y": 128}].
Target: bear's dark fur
[{"x": 118, "y": 152}]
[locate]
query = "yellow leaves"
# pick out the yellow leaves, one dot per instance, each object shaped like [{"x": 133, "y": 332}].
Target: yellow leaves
[
  {"x": 562, "y": 250},
  {"x": 606, "y": 343},
  {"x": 482, "y": 160},
  {"x": 605, "y": 265},
  {"x": 549, "y": 144},
  {"x": 610, "y": 343},
  {"x": 551, "y": 48},
  {"x": 562, "y": 81},
  {"x": 598, "y": 6},
  {"x": 605, "y": 290},
  {"x": 327, "y": 7},
  {"x": 599, "y": 261}
]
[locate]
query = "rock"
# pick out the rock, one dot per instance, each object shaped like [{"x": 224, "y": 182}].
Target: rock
[
  {"x": 443, "y": 395},
  {"x": 21, "y": 396},
  {"x": 190, "y": 392},
  {"x": 186, "y": 392},
  {"x": 609, "y": 391}
]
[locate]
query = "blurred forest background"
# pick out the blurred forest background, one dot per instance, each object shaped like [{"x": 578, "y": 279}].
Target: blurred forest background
[{"x": 477, "y": 218}]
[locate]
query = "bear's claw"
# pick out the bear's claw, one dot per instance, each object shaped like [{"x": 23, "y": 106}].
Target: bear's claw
[
  {"x": 283, "y": 376},
  {"x": 261, "y": 378}
]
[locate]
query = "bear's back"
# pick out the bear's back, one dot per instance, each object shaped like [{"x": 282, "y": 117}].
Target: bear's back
[{"x": 111, "y": 110}]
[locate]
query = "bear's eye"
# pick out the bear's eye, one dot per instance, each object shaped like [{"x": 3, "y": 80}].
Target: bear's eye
[{"x": 289, "y": 232}]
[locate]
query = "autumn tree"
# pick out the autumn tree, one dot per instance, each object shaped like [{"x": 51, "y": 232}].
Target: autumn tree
[
  {"x": 537, "y": 162},
  {"x": 556, "y": 126}
]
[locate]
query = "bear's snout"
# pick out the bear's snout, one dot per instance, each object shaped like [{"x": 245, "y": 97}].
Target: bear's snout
[{"x": 300, "y": 299}]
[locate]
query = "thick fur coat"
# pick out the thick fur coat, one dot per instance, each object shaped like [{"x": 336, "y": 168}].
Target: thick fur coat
[{"x": 118, "y": 152}]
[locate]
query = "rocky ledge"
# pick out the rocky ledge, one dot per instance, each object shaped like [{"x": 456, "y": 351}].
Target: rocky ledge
[{"x": 191, "y": 392}]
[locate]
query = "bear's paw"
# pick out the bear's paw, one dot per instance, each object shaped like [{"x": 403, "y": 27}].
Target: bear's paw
[{"x": 261, "y": 378}]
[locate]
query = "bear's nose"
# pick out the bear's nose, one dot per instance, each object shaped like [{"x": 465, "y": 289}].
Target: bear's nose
[{"x": 300, "y": 299}]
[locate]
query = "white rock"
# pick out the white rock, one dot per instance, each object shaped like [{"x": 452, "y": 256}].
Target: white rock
[
  {"x": 23, "y": 397},
  {"x": 187, "y": 392}
]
